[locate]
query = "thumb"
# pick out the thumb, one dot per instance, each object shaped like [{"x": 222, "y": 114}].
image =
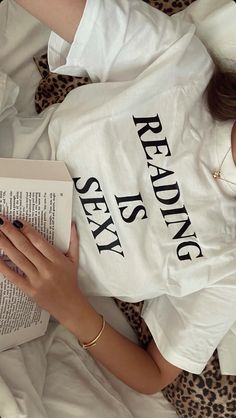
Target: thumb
[{"x": 73, "y": 252}]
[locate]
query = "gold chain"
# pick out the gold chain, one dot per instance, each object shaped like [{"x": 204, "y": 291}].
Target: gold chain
[{"x": 217, "y": 173}]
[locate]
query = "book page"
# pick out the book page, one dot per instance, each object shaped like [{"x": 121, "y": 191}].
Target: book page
[
  {"x": 21, "y": 319},
  {"x": 36, "y": 207},
  {"x": 47, "y": 205},
  {"x": 34, "y": 169}
]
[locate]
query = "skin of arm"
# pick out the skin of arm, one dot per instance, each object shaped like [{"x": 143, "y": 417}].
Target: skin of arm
[
  {"x": 62, "y": 16},
  {"x": 51, "y": 282}
]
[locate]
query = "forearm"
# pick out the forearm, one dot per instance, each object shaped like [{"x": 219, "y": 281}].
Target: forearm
[
  {"x": 126, "y": 360},
  {"x": 50, "y": 280},
  {"x": 61, "y": 16}
]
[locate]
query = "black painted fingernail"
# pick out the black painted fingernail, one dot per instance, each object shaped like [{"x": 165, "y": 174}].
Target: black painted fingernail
[
  {"x": 18, "y": 224},
  {"x": 1, "y": 221}
]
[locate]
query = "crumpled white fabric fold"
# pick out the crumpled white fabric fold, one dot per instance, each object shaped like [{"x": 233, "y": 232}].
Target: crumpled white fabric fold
[
  {"x": 20, "y": 136},
  {"x": 53, "y": 377},
  {"x": 8, "y": 95}
]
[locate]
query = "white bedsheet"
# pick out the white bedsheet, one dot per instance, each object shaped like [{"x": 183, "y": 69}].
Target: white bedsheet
[{"x": 52, "y": 377}]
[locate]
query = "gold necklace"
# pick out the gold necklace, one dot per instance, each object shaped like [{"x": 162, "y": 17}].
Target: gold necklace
[{"x": 217, "y": 173}]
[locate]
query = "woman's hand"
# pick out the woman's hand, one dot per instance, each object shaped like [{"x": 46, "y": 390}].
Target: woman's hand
[{"x": 50, "y": 277}]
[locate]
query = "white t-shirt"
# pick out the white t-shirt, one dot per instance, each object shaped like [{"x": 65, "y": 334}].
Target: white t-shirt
[{"x": 141, "y": 146}]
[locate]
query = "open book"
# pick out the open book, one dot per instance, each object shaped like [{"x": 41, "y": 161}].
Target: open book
[{"x": 41, "y": 193}]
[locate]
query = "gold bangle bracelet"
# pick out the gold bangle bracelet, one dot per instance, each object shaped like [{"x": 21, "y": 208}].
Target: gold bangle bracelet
[{"x": 94, "y": 341}]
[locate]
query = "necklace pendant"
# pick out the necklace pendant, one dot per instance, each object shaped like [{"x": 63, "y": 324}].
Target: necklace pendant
[{"x": 216, "y": 174}]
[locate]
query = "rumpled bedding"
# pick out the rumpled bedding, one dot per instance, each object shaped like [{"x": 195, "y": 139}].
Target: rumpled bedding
[{"x": 54, "y": 377}]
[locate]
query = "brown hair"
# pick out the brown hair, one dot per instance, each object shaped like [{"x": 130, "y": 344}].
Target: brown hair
[{"x": 221, "y": 95}]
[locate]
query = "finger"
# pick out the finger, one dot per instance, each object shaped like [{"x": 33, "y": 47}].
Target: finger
[
  {"x": 38, "y": 241},
  {"x": 16, "y": 256},
  {"x": 15, "y": 278},
  {"x": 20, "y": 242},
  {"x": 73, "y": 252},
  {"x": 29, "y": 241}
]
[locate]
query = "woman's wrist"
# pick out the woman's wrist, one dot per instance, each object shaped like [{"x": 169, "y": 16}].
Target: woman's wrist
[{"x": 82, "y": 319}]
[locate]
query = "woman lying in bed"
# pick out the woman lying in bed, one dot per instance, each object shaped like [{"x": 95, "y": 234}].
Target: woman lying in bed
[{"x": 155, "y": 187}]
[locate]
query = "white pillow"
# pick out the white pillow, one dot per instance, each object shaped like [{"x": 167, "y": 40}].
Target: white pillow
[{"x": 215, "y": 21}]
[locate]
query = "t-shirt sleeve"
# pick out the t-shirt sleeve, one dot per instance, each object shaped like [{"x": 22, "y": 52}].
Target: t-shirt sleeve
[
  {"x": 116, "y": 40},
  {"x": 188, "y": 329}
]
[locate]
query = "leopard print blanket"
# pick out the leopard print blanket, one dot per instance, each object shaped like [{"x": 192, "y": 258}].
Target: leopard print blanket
[{"x": 208, "y": 395}]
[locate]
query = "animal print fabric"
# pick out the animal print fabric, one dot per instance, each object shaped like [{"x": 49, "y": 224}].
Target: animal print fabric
[{"x": 208, "y": 395}]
